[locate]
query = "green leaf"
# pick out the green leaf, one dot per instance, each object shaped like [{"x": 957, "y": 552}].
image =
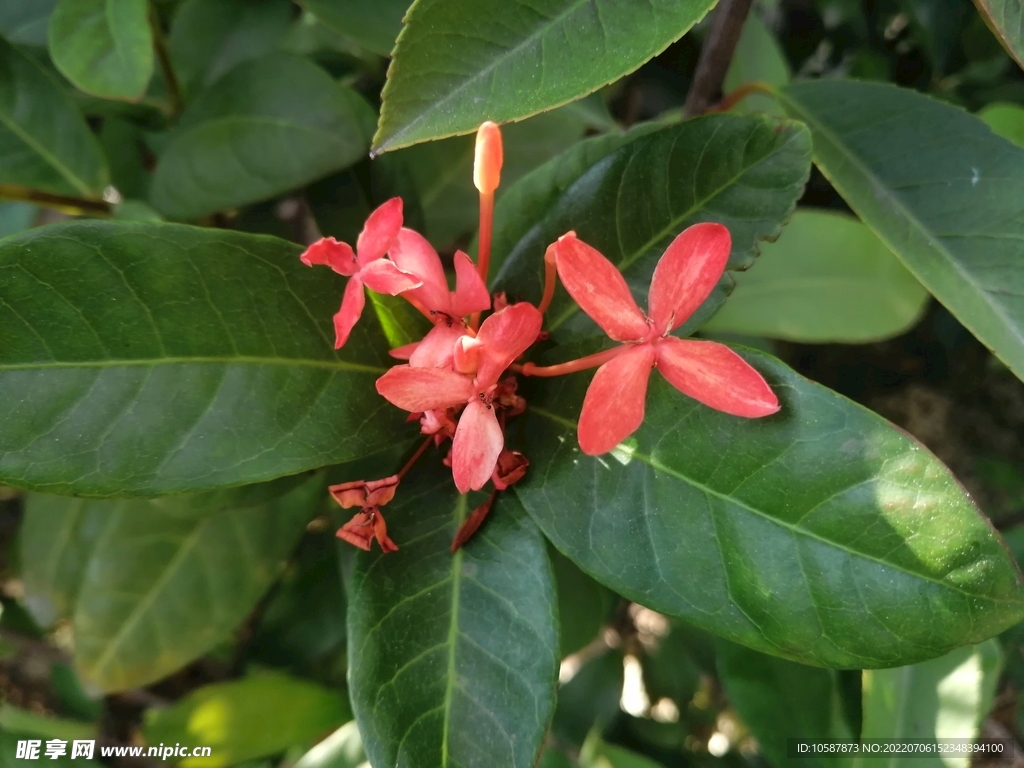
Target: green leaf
[
  {"x": 1006, "y": 120},
  {"x": 1006, "y": 19},
  {"x": 304, "y": 622},
  {"x": 949, "y": 207},
  {"x": 23, "y": 721},
  {"x": 948, "y": 697},
  {"x": 374, "y": 24},
  {"x": 16, "y": 217},
  {"x": 938, "y": 25},
  {"x": 151, "y": 585},
  {"x": 776, "y": 699},
  {"x": 342, "y": 749},
  {"x": 45, "y": 142},
  {"x": 598, "y": 754},
  {"x": 443, "y": 170},
  {"x": 146, "y": 359},
  {"x": 744, "y": 172},
  {"x": 584, "y": 606},
  {"x": 474, "y": 684},
  {"x": 262, "y": 714},
  {"x": 827, "y": 279},
  {"x": 460, "y": 62},
  {"x": 758, "y": 58},
  {"x": 268, "y": 126},
  {"x": 104, "y": 47},
  {"x": 755, "y": 528},
  {"x": 209, "y": 37},
  {"x": 25, "y": 23}
]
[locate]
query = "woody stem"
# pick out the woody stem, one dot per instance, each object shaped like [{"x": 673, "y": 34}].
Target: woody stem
[
  {"x": 582, "y": 364},
  {"x": 412, "y": 460}
]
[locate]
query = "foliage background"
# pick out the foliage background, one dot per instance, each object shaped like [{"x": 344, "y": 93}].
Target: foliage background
[{"x": 253, "y": 659}]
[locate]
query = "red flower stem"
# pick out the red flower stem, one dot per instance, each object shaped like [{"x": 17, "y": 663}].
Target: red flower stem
[
  {"x": 738, "y": 95},
  {"x": 423, "y": 310},
  {"x": 550, "y": 277},
  {"x": 483, "y": 259},
  {"x": 582, "y": 364},
  {"x": 415, "y": 456}
]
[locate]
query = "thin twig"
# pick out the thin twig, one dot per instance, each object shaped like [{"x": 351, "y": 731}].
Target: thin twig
[
  {"x": 75, "y": 206},
  {"x": 716, "y": 55},
  {"x": 163, "y": 57}
]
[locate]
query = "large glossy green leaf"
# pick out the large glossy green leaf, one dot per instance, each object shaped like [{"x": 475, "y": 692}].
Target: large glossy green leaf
[
  {"x": 453, "y": 658},
  {"x": 950, "y": 207},
  {"x": 44, "y": 140},
  {"x": 821, "y": 533},
  {"x": 104, "y": 47},
  {"x": 628, "y": 196},
  {"x": 268, "y": 126},
  {"x": 151, "y": 585},
  {"x": 827, "y": 278},
  {"x": 443, "y": 170},
  {"x": 1006, "y": 19},
  {"x": 779, "y": 699},
  {"x": 209, "y": 37},
  {"x": 25, "y": 23},
  {"x": 374, "y": 24},
  {"x": 460, "y": 62},
  {"x": 261, "y": 715},
  {"x": 144, "y": 359},
  {"x": 946, "y": 698}
]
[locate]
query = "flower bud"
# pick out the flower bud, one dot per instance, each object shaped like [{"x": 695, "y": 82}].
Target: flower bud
[{"x": 487, "y": 165}]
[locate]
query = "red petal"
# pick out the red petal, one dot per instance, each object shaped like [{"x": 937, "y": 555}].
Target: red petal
[
  {"x": 413, "y": 254},
  {"x": 380, "y": 532},
  {"x": 380, "y": 492},
  {"x": 716, "y": 376},
  {"x": 384, "y": 276},
  {"x": 438, "y": 347},
  {"x": 358, "y": 531},
  {"x": 352, "y": 304},
  {"x": 505, "y": 336},
  {"x": 470, "y": 292},
  {"x": 423, "y": 389},
  {"x": 599, "y": 288},
  {"x": 477, "y": 444},
  {"x": 379, "y": 231},
  {"x": 686, "y": 274},
  {"x": 404, "y": 352},
  {"x": 614, "y": 406},
  {"x": 338, "y": 256},
  {"x": 349, "y": 495}
]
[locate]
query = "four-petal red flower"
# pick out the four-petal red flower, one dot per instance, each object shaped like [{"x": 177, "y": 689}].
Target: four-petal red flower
[{"x": 707, "y": 371}]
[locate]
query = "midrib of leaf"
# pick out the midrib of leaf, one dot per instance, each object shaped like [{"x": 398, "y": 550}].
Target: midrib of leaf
[
  {"x": 882, "y": 190},
  {"x": 187, "y": 544},
  {"x": 336, "y": 365},
  {"x": 480, "y": 74},
  {"x": 667, "y": 230},
  {"x": 794, "y": 529},
  {"x": 453, "y": 633},
  {"x": 68, "y": 175}
]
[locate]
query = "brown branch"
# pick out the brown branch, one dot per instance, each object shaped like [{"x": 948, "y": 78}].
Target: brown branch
[
  {"x": 716, "y": 55},
  {"x": 163, "y": 57},
  {"x": 75, "y": 206}
]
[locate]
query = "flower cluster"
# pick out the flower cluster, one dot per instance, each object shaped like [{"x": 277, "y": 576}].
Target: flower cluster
[{"x": 459, "y": 381}]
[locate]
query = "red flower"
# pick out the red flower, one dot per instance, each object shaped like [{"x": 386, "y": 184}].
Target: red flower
[
  {"x": 364, "y": 266},
  {"x": 706, "y": 371},
  {"x": 368, "y": 524},
  {"x": 479, "y": 363},
  {"x": 413, "y": 254}
]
